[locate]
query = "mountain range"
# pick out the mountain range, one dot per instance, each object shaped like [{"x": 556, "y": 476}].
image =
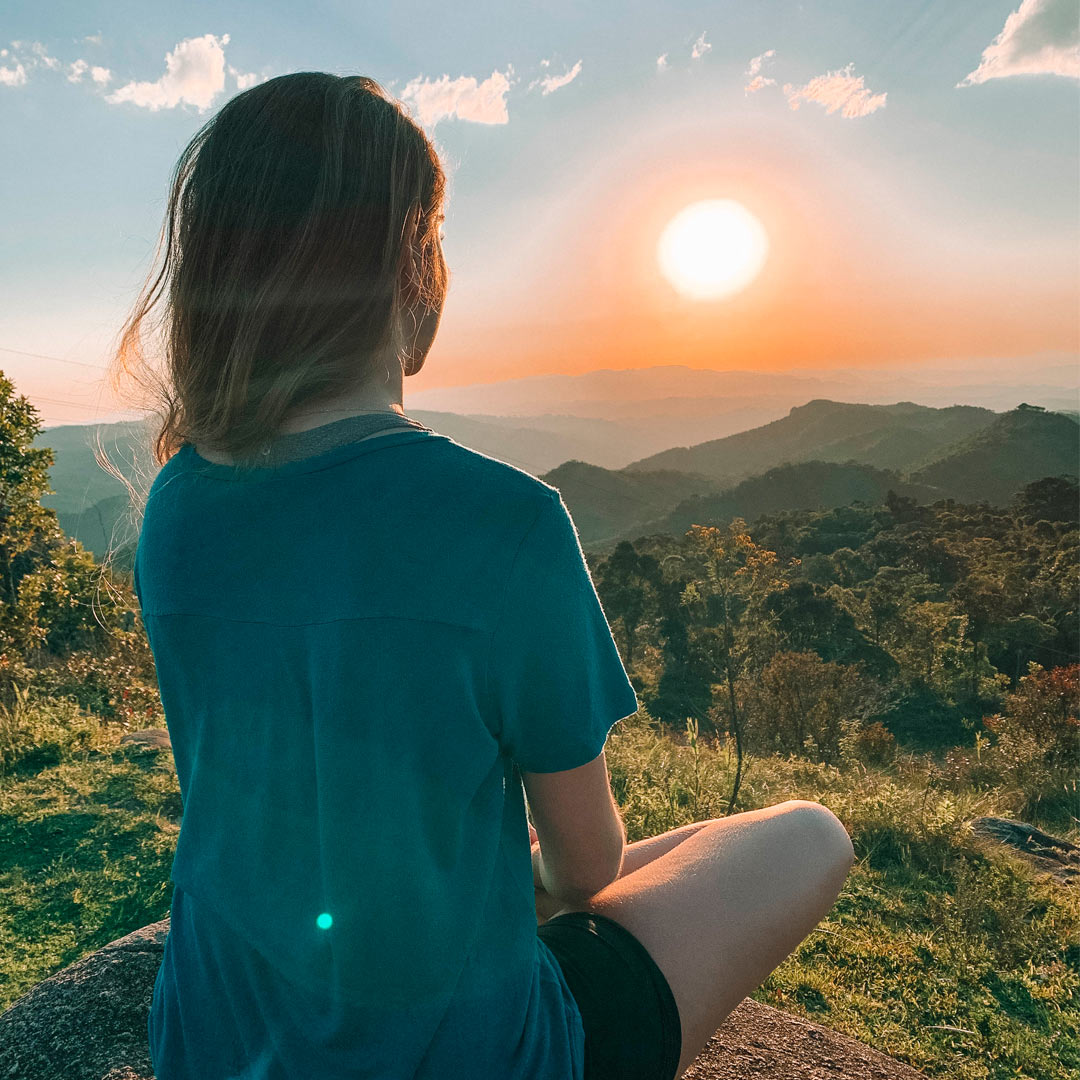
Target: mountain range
[{"x": 821, "y": 454}]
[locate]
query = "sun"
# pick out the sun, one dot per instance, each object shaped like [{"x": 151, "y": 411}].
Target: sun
[{"x": 712, "y": 249}]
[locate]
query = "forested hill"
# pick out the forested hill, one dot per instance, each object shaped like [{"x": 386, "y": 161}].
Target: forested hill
[
  {"x": 609, "y": 501},
  {"x": 886, "y": 436},
  {"x": 992, "y": 464},
  {"x": 810, "y": 485}
]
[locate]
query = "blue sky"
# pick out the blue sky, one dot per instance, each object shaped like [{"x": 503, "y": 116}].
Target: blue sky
[{"x": 924, "y": 151}]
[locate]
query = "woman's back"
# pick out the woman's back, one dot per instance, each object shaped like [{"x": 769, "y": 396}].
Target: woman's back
[{"x": 353, "y": 648}]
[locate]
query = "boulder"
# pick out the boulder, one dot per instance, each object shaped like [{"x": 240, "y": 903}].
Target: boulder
[
  {"x": 88, "y": 1022},
  {"x": 148, "y": 739},
  {"x": 1050, "y": 854}
]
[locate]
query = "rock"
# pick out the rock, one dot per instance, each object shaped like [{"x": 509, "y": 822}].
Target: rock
[
  {"x": 88, "y": 1022},
  {"x": 1057, "y": 857},
  {"x": 149, "y": 739},
  {"x": 758, "y": 1041}
]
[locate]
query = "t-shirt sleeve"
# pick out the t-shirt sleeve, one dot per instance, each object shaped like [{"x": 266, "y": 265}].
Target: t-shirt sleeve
[{"x": 554, "y": 673}]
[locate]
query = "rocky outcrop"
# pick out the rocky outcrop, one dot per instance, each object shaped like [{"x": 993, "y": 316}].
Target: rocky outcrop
[
  {"x": 1050, "y": 854},
  {"x": 88, "y": 1022}
]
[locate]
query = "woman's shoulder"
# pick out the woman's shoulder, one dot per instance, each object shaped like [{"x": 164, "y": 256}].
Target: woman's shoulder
[{"x": 495, "y": 479}]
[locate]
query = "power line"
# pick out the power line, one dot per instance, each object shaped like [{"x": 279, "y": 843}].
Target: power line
[{"x": 58, "y": 359}]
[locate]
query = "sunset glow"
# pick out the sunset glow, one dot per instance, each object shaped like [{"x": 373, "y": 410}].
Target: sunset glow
[
  {"x": 712, "y": 249},
  {"x": 784, "y": 196}
]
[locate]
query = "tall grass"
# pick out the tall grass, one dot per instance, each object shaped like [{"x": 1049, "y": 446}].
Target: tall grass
[{"x": 943, "y": 949}]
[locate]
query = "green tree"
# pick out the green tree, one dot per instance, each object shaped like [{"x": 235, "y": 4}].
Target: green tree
[
  {"x": 29, "y": 533},
  {"x": 626, "y": 584},
  {"x": 55, "y": 598},
  {"x": 800, "y": 704},
  {"x": 1054, "y": 498},
  {"x": 730, "y": 578},
  {"x": 684, "y": 687},
  {"x": 809, "y": 618}
]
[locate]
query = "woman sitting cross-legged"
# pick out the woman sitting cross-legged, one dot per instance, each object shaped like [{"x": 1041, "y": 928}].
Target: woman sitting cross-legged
[{"x": 373, "y": 645}]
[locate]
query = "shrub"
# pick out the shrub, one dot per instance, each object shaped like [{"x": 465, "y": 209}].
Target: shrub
[
  {"x": 873, "y": 744},
  {"x": 1036, "y": 741},
  {"x": 37, "y": 735},
  {"x": 801, "y": 704}
]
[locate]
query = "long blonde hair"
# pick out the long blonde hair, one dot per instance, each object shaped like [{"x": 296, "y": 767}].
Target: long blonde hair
[{"x": 288, "y": 217}]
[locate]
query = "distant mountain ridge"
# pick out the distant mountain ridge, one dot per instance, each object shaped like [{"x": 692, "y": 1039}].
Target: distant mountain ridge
[
  {"x": 826, "y": 454},
  {"x": 807, "y": 486},
  {"x": 886, "y": 436},
  {"x": 994, "y": 462},
  {"x": 692, "y": 394},
  {"x": 823, "y": 453}
]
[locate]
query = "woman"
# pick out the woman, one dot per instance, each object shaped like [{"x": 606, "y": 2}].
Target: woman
[{"x": 371, "y": 643}]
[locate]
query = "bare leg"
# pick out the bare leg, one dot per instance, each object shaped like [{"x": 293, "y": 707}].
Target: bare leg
[
  {"x": 635, "y": 856},
  {"x": 725, "y": 906}
]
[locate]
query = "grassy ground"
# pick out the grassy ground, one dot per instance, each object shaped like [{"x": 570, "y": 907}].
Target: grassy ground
[{"x": 934, "y": 931}]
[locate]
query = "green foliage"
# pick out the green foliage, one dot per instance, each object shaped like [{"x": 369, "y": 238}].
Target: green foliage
[
  {"x": 39, "y": 735},
  {"x": 88, "y": 831},
  {"x": 1034, "y": 748},
  {"x": 801, "y": 704},
  {"x": 812, "y": 655},
  {"x": 28, "y": 532},
  {"x": 1052, "y": 499},
  {"x": 945, "y": 606},
  {"x": 934, "y": 929}
]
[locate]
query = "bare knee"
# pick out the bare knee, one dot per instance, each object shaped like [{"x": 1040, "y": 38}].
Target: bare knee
[{"x": 821, "y": 828}]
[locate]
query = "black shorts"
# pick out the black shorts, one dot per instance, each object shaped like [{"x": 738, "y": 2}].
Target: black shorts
[{"x": 631, "y": 1021}]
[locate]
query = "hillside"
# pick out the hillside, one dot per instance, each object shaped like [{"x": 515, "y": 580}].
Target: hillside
[
  {"x": 605, "y": 502},
  {"x": 811, "y": 485},
  {"x": 961, "y": 452},
  {"x": 79, "y": 482},
  {"x": 885, "y": 436},
  {"x": 991, "y": 465},
  {"x": 90, "y": 502}
]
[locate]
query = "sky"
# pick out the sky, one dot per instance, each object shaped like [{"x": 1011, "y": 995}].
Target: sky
[{"x": 914, "y": 167}]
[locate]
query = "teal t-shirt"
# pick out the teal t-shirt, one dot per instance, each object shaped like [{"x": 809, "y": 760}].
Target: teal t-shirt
[{"x": 357, "y": 650}]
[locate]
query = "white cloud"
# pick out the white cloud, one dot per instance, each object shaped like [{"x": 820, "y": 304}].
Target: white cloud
[
  {"x": 1042, "y": 37},
  {"x": 757, "y": 61},
  {"x": 94, "y": 39},
  {"x": 43, "y": 56},
  {"x": 837, "y": 90},
  {"x": 758, "y": 81},
  {"x": 33, "y": 55},
  {"x": 194, "y": 74},
  {"x": 701, "y": 46},
  {"x": 432, "y": 100},
  {"x": 243, "y": 81},
  {"x": 661, "y": 61},
  {"x": 551, "y": 83},
  {"x": 77, "y": 70},
  {"x": 15, "y": 76},
  {"x": 100, "y": 75}
]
